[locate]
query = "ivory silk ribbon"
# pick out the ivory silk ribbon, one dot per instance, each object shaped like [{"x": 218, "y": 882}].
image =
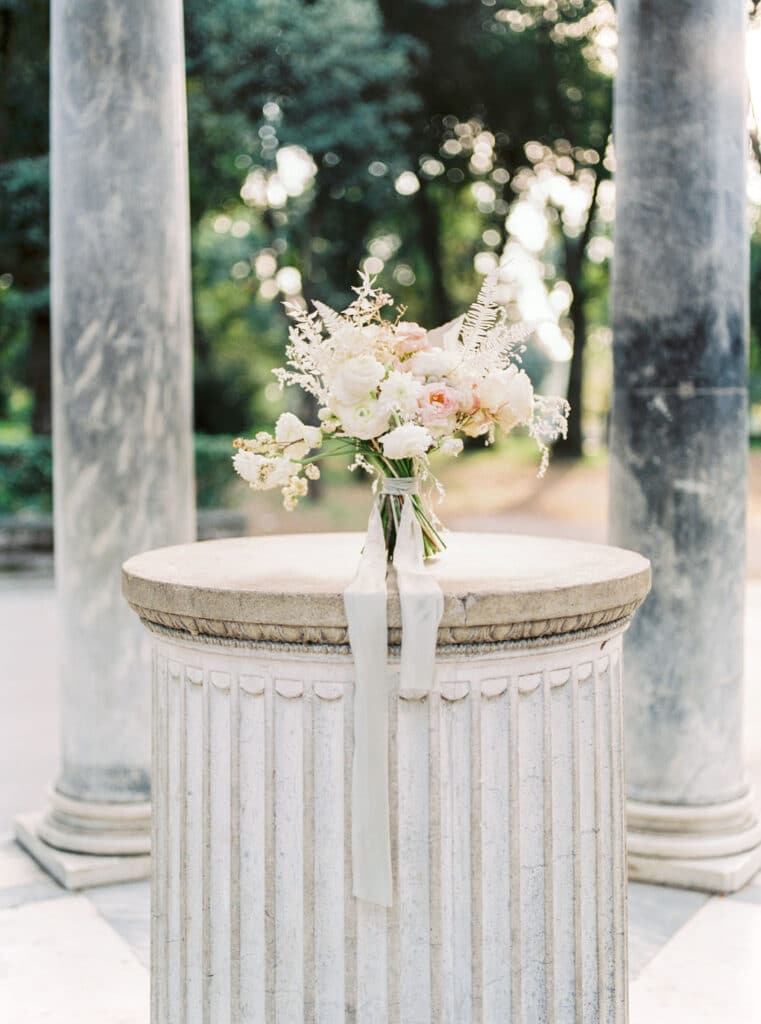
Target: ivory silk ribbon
[{"x": 422, "y": 605}]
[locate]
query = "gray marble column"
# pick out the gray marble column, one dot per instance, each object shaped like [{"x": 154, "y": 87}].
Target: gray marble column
[
  {"x": 122, "y": 359},
  {"x": 679, "y": 436}
]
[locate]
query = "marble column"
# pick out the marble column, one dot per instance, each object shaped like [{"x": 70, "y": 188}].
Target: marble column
[
  {"x": 122, "y": 364},
  {"x": 679, "y": 433}
]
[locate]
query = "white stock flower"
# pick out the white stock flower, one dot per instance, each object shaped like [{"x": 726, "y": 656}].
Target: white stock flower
[
  {"x": 355, "y": 379},
  {"x": 400, "y": 391},
  {"x": 509, "y": 396},
  {"x": 281, "y": 472},
  {"x": 250, "y": 466},
  {"x": 434, "y": 362},
  {"x": 264, "y": 473},
  {"x": 300, "y": 438},
  {"x": 363, "y": 420},
  {"x": 451, "y": 446},
  {"x": 408, "y": 441},
  {"x": 289, "y": 428}
]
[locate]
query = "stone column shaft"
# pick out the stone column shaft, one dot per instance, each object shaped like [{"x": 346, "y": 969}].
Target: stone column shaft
[
  {"x": 679, "y": 434},
  {"x": 122, "y": 363}
]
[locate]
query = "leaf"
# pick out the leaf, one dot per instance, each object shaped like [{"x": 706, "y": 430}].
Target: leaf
[
  {"x": 332, "y": 320},
  {"x": 482, "y": 315}
]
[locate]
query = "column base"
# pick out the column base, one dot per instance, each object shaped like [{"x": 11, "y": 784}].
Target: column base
[
  {"x": 85, "y": 844},
  {"x": 80, "y": 826},
  {"x": 78, "y": 870},
  {"x": 712, "y": 848}
]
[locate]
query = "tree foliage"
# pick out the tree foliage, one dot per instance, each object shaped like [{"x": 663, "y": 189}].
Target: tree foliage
[{"x": 436, "y": 139}]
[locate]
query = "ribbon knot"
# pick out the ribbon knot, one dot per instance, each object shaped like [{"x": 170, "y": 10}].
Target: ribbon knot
[
  {"x": 422, "y": 605},
  {"x": 399, "y": 485}
]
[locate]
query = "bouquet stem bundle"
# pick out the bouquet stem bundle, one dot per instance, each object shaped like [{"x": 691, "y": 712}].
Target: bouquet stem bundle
[
  {"x": 392, "y": 395},
  {"x": 391, "y": 510}
]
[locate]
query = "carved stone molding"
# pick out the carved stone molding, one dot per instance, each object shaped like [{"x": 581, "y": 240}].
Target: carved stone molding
[{"x": 336, "y": 636}]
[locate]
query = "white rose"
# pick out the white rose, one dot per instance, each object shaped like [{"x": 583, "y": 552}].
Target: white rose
[
  {"x": 401, "y": 391},
  {"x": 364, "y": 420},
  {"x": 355, "y": 379},
  {"x": 435, "y": 362},
  {"x": 408, "y": 441},
  {"x": 347, "y": 341},
  {"x": 509, "y": 396},
  {"x": 451, "y": 446}
]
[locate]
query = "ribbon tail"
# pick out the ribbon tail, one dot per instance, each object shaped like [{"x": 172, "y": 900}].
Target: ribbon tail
[
  {"x": 422, "y": 605},
  {"x": 365, "y": 603}
]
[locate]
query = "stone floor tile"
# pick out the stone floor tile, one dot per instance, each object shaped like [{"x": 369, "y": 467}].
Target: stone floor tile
[
  {"x": 750, "y": 894},
  {"x": 46, "y": 889},
  {"x": 655, "y": 915},
  {"x": 708, "y": 973},
  {"x": 63, "y": 964},
  {"x": 17, "y": 867},
  {"x": 29, "y": 724},
  {"x": 127, "y": 908}
]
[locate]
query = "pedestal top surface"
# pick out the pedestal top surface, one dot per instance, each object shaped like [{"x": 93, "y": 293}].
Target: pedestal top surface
[{"x": 289, "y": 587}]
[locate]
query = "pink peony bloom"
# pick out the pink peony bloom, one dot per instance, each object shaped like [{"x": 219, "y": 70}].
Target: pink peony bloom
[
  {"x": 468, "y": 397},
  {"x": 437, "y": 403},
  {"x": 410, "y": 337}
]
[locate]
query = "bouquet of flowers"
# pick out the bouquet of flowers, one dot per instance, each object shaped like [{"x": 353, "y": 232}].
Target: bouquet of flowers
[{"x": 391, "y": 394}]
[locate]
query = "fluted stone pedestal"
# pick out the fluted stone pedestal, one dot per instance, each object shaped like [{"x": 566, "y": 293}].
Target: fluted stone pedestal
[
  {"x": 122, "y": 388},
  {"x": 679, "y": 437},
  {"x": 508, "y": 839}
]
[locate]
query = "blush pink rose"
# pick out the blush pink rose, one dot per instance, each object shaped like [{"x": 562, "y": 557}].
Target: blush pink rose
[
  {"x": 478, "y": 424},
  {"x": 437, "y": 403},
  {"x": 410, "y": 337}
]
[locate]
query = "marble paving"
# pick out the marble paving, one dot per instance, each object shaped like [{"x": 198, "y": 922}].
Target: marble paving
[{"x": 82, "y": 958}]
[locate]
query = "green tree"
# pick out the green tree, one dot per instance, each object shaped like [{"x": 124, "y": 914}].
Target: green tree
[
  {"x": 432, "y": 138},
  {"x": 24, "y": 297},
  {"x": 530, "y": 74}
]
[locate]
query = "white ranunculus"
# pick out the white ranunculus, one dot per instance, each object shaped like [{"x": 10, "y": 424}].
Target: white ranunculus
[
  {"x": 401, "y": 391},
  {"x": 408, "y": 441},
  {"x": 509, "y": 396},
  {"x": 434, "y": 362},
  {"x": 355, "y": 379},
  {"x": 363, "y": 420}
]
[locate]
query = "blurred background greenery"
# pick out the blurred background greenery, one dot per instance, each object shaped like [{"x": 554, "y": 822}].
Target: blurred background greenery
[{"x": 430, "y": 141}]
